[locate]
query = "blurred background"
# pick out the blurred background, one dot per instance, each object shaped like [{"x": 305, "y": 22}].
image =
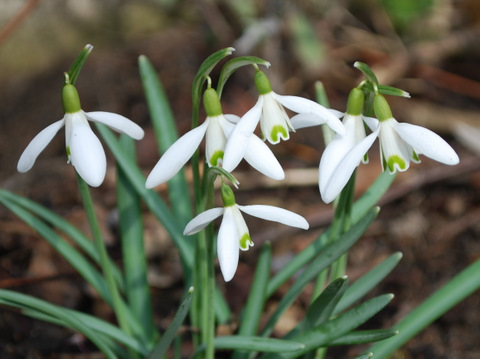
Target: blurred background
[{"x": 429, "y": 48}]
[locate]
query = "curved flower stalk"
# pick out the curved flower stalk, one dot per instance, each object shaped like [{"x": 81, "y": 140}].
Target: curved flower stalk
[
  {"x": 275, "y": 124},
  {"x": 233, "y": 234},
  {"x": 216, "y": 128},
  {"x": 400, "y": 144},
  {"x": 84, "y": 150}
]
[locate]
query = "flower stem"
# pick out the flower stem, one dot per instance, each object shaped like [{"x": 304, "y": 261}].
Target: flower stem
[{"x": 117, "y": 303}]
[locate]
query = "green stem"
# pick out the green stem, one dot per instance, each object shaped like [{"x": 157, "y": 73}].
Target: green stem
[{"x": 118, "y": 305}]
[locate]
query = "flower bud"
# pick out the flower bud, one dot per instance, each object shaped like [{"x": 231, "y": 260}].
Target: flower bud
[{"x": 70, "y": 99}]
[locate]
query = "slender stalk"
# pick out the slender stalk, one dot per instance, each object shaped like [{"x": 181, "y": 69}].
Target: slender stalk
[{"x": 117, "y": 301}]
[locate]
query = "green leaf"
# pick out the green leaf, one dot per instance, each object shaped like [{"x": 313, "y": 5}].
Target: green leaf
[
  {"x": 204, "y": 70},
  {"x": 457, "y": 289},
  {"x": 133, "y": 251},
  {"x": 365, "y": 356},
  {"x": 251, "y": 343},
  {"x": 233, "y": 65},
  {"x": 359, "y": 209},
  {"x": 60, "y": 314},
  {"x": 166, "y": 134},
  {"x": 326, "y": 257},
  {"x": 364, "y": 336},
  {"x": 154, "y": 202},
  {"x": 322, "y": 335},
  {"x": 367, "y": 282},
  {"x": 252, "y": 312},
  {"x": 74, "y": 257},
  {"x": 322, "y": 308},
  {"x": 77, "y": 65},
  {"x": 164, "y": 343}
]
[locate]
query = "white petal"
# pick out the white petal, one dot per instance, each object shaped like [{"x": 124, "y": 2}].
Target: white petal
[
  {"x": 86, "y": 151},
  {"x": 343, "y": 171},
  {"x": 228, "y": 245},
  {"x": 371, "y": 122},
  {"x": 37, "y": 145},
  {"x": 215, "y": 141},
  {"x": 202, "y": 220},
  {"x": 238, "y": 140},
  {"x": 275, "y": 214},
  {"x": 176, "y": 156},
  {"x": 260, "y": 157},
  {"x": 396, "y": 153},
  {"x": 428, "y": 143},
  {"x": 118, "y": 123},
  {"x": 303, "y": 105}
]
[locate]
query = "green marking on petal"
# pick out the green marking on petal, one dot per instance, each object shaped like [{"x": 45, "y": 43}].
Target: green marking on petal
[
  {"x": 245, "y": 242},
  {"x": 392, "y": 160},
  {"x": 217, "y": 155},
  {"x": 278, "y": 131},
  {"x": 415, "y": 157}
]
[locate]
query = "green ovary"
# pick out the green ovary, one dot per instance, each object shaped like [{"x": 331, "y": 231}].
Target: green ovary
[
  {"x": 245, "y": 242},
  {"x": 392, "y": 160},
  {"x": 278, "y": 131},
  {"x": 217, "y": 155}
]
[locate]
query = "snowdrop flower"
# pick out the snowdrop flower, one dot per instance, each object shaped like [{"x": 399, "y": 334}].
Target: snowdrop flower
[
  {"x": 84, "y": 150},
  {"x": 274, "y": 121},
  {"x": 333, "y": 175},
  {"x": 233, "y": 234},
  {"x": 400, "y": 143},
  {"x": 216, "y": 128}
]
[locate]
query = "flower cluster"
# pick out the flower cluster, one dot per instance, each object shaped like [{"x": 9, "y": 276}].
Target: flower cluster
[{"x": 230, "y": 138}]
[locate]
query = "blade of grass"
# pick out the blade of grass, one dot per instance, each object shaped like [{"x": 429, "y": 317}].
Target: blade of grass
[
  {"x": 457, "y": 289},
  {"x": 323, "y": 334},
  {"x": 61, "y": 224},
  {"x": 367, "y": 282},
  {"x": 133, "y": 250},
  {"x": 326, "y": 257},
  {"x": 57, "y": 312},
  {"x": 166, "y": 134},
  {"x": 256, "y": 299},
  {"x": 167, "y": 338},
  {"x": 360, "y": 207}
]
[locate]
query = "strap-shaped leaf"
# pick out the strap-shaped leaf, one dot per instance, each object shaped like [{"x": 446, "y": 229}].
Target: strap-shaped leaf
[
  {"x": 322, "y": 335},
  {"x": 166, "y": 134},
  {"x": 367, "y": 282},
  {"x": 326, "y": 257},
  {"x": 364, "y": 336},
  {"x": 164, "y": 343}
]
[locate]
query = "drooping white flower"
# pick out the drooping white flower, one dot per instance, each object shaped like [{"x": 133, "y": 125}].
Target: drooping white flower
[
  {"x": 217, "y": 127},
  {"x": 400, "y": 143},
  {"x": 275, "y": 124},
  {"x": 84, "y": 150},
  {"x": 233, "y": 234}
]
